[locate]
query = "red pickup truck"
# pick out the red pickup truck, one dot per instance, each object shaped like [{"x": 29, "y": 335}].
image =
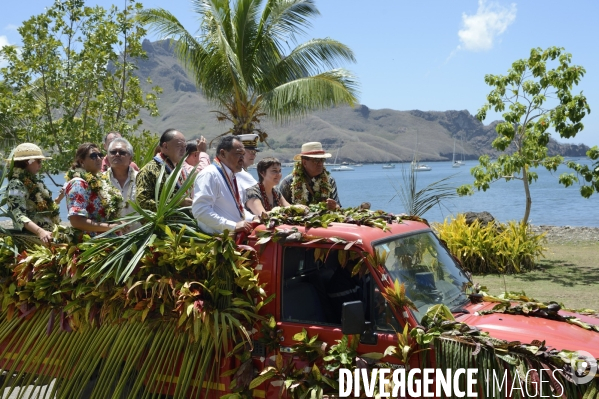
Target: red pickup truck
[{"x": 310, "y": 273}]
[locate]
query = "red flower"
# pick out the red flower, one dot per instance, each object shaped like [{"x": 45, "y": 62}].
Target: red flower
[
  {"x": 91, "y": 207},
  {"x": 79, "y": 198}
]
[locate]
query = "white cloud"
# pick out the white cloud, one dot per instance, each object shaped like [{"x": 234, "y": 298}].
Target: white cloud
[
  {"x": 11, "y": 27},
  {"x": 480, "y": 30}
]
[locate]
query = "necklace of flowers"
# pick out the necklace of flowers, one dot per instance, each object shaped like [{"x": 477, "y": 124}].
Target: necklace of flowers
[
  {"x": 300, "y": 189},
  {"x": 275, "y": 197},
  {"x": 38, "y": 193},
  {"x": 110, "y": 197}
]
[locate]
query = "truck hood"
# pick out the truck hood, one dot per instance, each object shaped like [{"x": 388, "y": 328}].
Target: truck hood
[{"x": 556, "y": 334}]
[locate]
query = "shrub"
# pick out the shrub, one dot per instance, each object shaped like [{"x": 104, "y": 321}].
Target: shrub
[{"x": 494, "y": 248}]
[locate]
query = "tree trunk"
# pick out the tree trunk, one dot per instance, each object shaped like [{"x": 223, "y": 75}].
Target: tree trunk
[{"x": 527, "y": 192}]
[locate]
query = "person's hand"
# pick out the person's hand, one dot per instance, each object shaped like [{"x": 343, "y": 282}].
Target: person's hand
[
  {"x": 44, "y": 236},
  {"x": 331, "y": 204},
  {"x": 243, "y": 226},
  {"x": 186, "y": 201},
  {"x": 202, "y": 145}
]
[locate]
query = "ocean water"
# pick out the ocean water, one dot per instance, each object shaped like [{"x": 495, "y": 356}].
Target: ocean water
[{"x": 552, "y": 203}]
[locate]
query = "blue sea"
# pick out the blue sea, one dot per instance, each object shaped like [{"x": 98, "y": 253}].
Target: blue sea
[{"x": 552, "y": 203}]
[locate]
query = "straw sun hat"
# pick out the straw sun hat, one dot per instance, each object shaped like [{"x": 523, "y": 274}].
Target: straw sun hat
[
  {"x": 26, "y": 151},
  {"x": 312, "y": 150}
]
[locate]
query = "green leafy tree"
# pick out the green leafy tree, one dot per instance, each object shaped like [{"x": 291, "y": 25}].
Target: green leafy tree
[
  {"x": 533, "y": 99},
  {"x": 589, "y": 174},
  {"x": 243, "y": 60},
  {"x": 72, "y": 79}
]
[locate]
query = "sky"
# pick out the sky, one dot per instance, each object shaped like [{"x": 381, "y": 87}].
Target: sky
[{"x": 426, "y": 55}]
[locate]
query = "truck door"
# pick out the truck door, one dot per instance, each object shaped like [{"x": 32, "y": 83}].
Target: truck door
[{"x": 312, "y": 290}]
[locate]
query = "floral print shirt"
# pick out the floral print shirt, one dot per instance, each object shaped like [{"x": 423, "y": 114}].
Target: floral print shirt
[
  {"x": 23, "y": 208},
  {"x": 82, "y": 201}
]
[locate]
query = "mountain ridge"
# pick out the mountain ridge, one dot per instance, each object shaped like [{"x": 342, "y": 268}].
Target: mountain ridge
[{"x": 357, "y": 134}]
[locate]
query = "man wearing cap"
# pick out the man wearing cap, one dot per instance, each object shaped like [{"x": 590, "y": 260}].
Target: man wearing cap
[
  {"x": 245, "y": 179},
  {"x": 309, "y": 182},
  {"x": 217, "y": 202}
]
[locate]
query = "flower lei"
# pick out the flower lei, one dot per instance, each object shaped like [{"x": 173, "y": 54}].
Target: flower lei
[
  {"x": 275, "y": 198},
  {"x": 300, "y": 194},
  {"x": 110, "y": 197},
  {"x": 38, "y": 193}
]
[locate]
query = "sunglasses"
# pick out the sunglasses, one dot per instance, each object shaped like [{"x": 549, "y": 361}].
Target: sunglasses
[
  {"x": 119, "y": 152},
  {"x": 95, "y": 155},
  {"x": 316, "y": 161}
]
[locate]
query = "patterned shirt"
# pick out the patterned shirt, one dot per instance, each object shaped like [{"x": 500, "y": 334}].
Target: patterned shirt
[
  {"x": 146, "y": 180},
  {"x": 82, "y": 201},
  {"x": 23, "y": 209},
  {"x": 255, "y": 192},
  {"x": 285, "y": 188}
]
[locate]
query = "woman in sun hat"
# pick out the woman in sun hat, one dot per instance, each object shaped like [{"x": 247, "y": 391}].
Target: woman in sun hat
[
  {"x": 310, "y": 182},
  {"x": 30, "y": 202}
]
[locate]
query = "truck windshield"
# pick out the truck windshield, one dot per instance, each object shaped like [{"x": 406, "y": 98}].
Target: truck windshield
[{"x": 430, "y": 274}]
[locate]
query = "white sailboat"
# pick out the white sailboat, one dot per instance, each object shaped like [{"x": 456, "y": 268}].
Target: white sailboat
[
  {"x": 416, "y": 165},
  {"x": 342, "y": 167},
  {"x": 455, "y": 164},
  {"x": 334, "y": 162}
]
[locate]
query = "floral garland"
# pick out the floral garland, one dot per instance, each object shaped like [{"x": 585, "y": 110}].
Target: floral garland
[
  {"x": 38, "y": 193},
  {"x": 275, "y": 198},
  {"x": 110, "y": 197},
  {"x": 300, "y": 194}
]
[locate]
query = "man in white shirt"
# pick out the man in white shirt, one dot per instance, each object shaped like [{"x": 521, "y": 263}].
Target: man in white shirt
[
  {"x": 217, "y": 203},
  {"x": 245, "y": 178}
]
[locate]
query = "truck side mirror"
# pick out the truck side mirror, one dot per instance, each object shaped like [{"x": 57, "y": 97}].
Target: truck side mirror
[{"x": 352, "y": 318}]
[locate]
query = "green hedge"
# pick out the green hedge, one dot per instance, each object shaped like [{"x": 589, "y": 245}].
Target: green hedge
[{"x": 494, "y": 248}]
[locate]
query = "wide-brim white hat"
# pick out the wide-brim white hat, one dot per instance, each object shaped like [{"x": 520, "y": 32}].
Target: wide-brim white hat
[
  {"x": 27, "y": 151},
  {"x": 312, "y": 150}
]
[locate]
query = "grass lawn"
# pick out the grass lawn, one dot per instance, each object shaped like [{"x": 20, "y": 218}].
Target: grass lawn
[{"x": 568, "y": 274}]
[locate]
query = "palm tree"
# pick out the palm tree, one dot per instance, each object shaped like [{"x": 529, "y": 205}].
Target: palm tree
[{"x": 242, "y": 60}]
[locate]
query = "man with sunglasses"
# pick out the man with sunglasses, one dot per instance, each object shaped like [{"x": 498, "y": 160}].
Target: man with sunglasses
[
  {"x": 106, "y": 161},
  {"x": 310, "y": 182},
  {"x": 121, "y": 173}
]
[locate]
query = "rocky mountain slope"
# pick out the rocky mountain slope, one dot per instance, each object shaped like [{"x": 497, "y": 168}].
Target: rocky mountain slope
[{"x": 356, "y": 134}]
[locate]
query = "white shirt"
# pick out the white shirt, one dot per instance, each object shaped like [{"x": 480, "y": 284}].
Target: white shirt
[
  {"x": 128, "y": 190},
  {"x": 213, "y": 203},
  {"x": 244, "y": 180}
]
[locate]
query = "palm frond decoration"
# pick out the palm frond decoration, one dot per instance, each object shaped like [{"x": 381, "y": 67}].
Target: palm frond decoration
[
  {"x": 418, "y": 202},
  {"x": 159, "y": 310}
]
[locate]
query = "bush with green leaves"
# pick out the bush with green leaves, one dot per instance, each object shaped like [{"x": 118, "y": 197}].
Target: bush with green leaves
[{"x": 494, "y": 248}]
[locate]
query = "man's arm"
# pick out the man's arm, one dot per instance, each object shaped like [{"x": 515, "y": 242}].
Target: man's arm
[
  {"x": 285, "y": 188},
  {"x": 334, "y": 194},
  {"x": 203, "y": 204}
]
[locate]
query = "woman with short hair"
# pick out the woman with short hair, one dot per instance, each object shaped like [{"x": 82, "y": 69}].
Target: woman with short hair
[
  {"x": 29, "y": 201},
  {"x": 91, "y": 200},
  {"x": 265, "y": 195}
]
